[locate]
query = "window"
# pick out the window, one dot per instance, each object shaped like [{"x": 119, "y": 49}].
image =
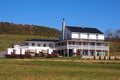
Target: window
[
  {"x": 96, "y": 36},
  {"x": 44, "y": 45},
  {"x": 88, "y": 36},
  {"x": 51, "y": 45},
  {"x": 99, "y": 44},
  {"x": 85, "y": 43},
  {"x": 69, "y": 42},
  {"x": 79, "y": 43},
  {"x": 39, "y": 44},
  {"x": 92, "y": 44},
  {"x": 79, "y": 35},
  {"x": 73, "y": 43},
  {"x": 67, "y": 36},
  {"x": 33, "y": 44}
]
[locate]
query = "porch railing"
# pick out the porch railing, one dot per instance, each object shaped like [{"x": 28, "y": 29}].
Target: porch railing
[{"x": 83, "y": 47}]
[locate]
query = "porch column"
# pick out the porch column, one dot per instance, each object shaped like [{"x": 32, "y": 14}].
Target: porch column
[
  {"x": 89, "y": 49},
  {"x": 108, "y": 49},
  {"x": 102, "y": 50},
  {"x": 75, "y": 54},
  {"x": 62, "y": 48},
  {"x": 67, "y": 49},
  {"x": 95, "y": 54},
  {"x": 60, "y": 53},
  {"x": 82, "y": 48},
  {"x": 64, "y": 52}
]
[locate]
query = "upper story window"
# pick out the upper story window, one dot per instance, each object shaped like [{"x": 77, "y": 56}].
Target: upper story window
[
  {"x": 33, "y": 44},
  {"x": 79, "y": 35},
  {"x": 39, "y": 44},
  {"x": 44, "y": 45},
  {"x": 88, "y": 36},
  {"x": 96, "y": 36},
  {"x": 67, "y": 36},
  {"x": 51, "y": 45}
]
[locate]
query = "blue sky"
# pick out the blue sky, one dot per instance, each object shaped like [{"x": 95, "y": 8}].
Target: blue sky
[{"x": 101, "y": 14}]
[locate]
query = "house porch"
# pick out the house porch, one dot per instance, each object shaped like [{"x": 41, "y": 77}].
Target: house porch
[{"x": 82, "y": 48}]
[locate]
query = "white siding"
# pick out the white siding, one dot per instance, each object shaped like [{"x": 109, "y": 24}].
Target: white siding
[
  {"x": 22, "y": 51},
  {"x": 92, "y": 36},
  {"x": 101, "y": 37},
  {"x": 75, "y": 35},
  {"x": 83, "y": 36},
  {"x": 67, "y": 34},
  {"x": 36, "y": 44},
  {"x": 16, "y": 50},
  {"x": 9, "y": 51},
  {"x": 87, "y": 36}
]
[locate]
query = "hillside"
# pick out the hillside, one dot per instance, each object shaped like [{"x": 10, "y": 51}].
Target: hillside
[
  {"x": 11, "y": 33},
  {"x": 114, "y": 38},
  {"x": 11, "y": 28},
  {"x": 114, "y": 46},
  {"x": 7, "y": 40}
]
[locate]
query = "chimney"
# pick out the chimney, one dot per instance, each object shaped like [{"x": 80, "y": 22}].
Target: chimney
[{"x": 63, "y": 29}]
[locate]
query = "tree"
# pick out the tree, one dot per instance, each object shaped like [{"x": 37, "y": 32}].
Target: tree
[
  {"x": 117, "y": 33},
  {"x": 10, "y": 28}
]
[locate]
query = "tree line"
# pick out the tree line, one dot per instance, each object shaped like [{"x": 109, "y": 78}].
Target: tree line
[
  {"x": 113, "y": 35},
  {"x": 11, "y": 28},
  {"x": 114, "y": 38}
]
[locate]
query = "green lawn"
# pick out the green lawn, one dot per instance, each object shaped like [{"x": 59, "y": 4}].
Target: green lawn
[{"x": 12, "y": 69}]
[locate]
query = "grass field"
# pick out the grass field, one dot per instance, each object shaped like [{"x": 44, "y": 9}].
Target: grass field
[
  {"x": 7, "y": 40},
  {"x": 12, "y": 69}
]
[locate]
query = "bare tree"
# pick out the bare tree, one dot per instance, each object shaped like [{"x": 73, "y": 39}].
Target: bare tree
[
  {"x": 117, "y": 34},
  {"x": 109, "y": 34}
]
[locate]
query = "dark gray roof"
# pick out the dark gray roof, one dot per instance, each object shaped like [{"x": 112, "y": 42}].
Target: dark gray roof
[
  {"x": 84, "y": 29},
  {"x": 42, "y": 40}
]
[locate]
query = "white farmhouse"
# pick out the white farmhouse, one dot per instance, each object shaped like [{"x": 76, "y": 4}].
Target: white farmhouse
[
  {"x": 73, "y": 41},
  {"x": 81, "y": 41}
]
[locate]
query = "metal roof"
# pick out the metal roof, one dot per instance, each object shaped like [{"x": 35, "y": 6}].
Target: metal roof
[
  {"x": 84, "y": 29},
  {"x": 42, "y": 40}
]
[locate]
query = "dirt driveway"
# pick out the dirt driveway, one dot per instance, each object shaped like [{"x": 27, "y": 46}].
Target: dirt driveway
[{"x": 2, "y": 54}]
